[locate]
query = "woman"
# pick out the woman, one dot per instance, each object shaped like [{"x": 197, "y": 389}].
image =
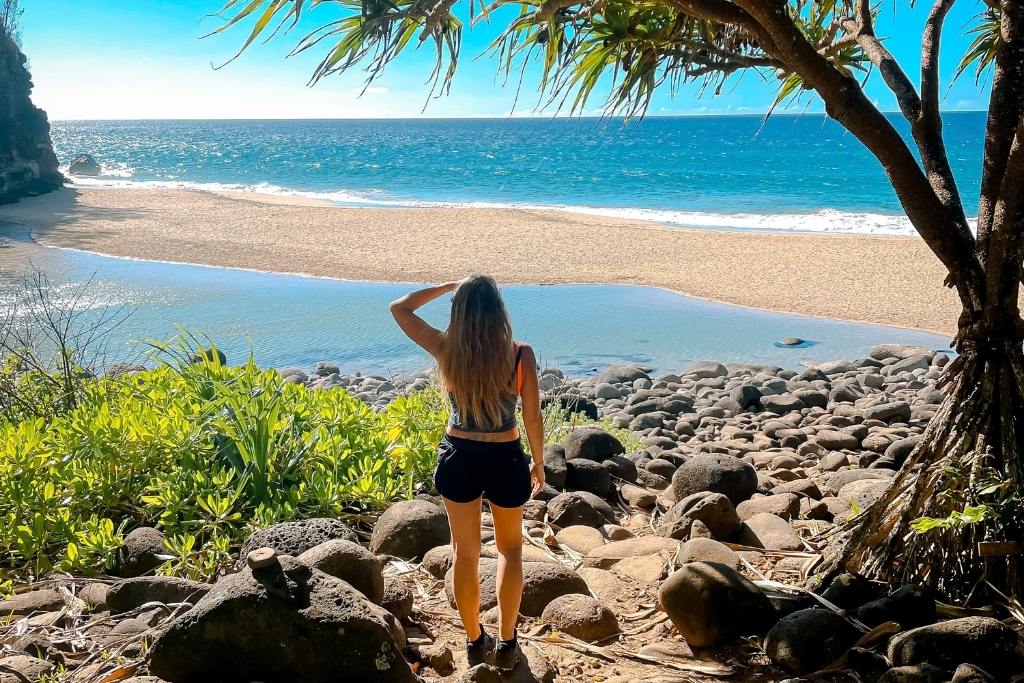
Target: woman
[{"x": 483, "y": 372}]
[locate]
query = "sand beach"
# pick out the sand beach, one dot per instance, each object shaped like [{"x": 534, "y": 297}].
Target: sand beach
[{"x": 875, "y": 279}]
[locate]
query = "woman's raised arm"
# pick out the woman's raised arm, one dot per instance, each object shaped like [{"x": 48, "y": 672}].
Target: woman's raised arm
[{"x": 418, "y": 329}]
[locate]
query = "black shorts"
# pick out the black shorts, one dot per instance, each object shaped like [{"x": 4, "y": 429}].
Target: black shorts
[{"x": 468, "y": 469}]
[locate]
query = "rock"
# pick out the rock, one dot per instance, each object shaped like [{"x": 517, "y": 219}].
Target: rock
[
  {"x": 94, "y": 595},
  {"x": 643, "y": 570},
  {"x": 888, "y": 412},
  {"x": 923, "y": 673},
  {"x": 349, "y": 562},
  {"x": 849, "y": 591},
  {"x": 554, "y": 465},
  {"x": 573, "y": 404},
  {"x": 711, "y": 603},
  {"x": 579, "y": 507},
  {"x": 397, "y": 598},
  {"x": 982, "y": 641},
  {"x": 784, "y": 505},
  {"x": 863, "y": 493},
  {"x": 747, "y": 396},
  {"x": 605, "y": 390},
  {"x": 587, "y": 475},
  {"x": 295, "y": 538},
  {"x": 706, "y": 369},
  {"x": 581, "y": 616},
  {"x": 592, "y": 444},
  {"x": 791, "y": 341},
  {"x": 619, "y": 374},
  {"x": 809, "y": 639},
  {"x": 32, "y": 602},
  {"x": 723, "y": 474},
  {"x": 28, "y": 668},
  {"x": 542, "y": 583},
  {"x": 435, "y": 655},
  {"x": 580, "y": 538},
  {"x": 837, "y": 480},
  {"x": 707, "y": 550},
  {"x": 714, "y": 510},
  {"x": 901, "y": 351},
  {"x": 900, "y": 449},
  {"x": 836, "y": 441},
  {"x": 438, "y": 560},
  {"x": 765, "y": 530},
  {"x": 410, "y": 528},
  {"x": 909, "y": 606},
  {"x": 637, "y": 496},
  {"x": 28, "y": 165},
  {"x": 127, "y": 594},
  {"x": 210, "y": 355},
  {"x": 84, "y": 165},
  {"x": 609, "y": 554},
  {"x": 781, "y": 404},
  {"x": 969, "y": 673},
  {"x": 661, "y": 467},
  {"x": 142, "y": 551},
  {"x": 285, "y": 623}
]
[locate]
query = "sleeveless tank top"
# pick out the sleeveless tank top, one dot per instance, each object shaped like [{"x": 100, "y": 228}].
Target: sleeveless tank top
[{"x": 466, "y": 423}]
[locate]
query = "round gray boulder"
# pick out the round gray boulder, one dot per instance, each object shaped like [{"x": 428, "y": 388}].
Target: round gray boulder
[
  {"x": 581, "y": 616},
  {"x": 717, "y": 473},
  {"x": 349, "y": 562},
  {"x": 410, "y": 528}
]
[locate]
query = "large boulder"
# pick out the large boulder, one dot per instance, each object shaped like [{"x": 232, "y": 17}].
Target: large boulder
[
  {"x": 542, "y": 583},
  {"x": 715, "y": 510},
  {"x": 579, "y": 507},
  {"x": 141, "y": 552},
  {"x": 84, "y": 164},
  {"x": 723, "y": 474},
  {"x": 586, "y": 475},
  {"x": 127, "y": 594},
  {"x": 32, "y": 602},
  {"x": 410, "y": 528},
  {"x": 706, "y": 369},
  {"x": 618, "y": 374},
  {"x": 986, "y": 642},
  {"x": 295, "y": 538},
  {"x": 283, "y": 622},
  {"x": 809, "y": 639},
  {"x": 711, "y": 603},
  {"x": 609, "y": 554},
  {"x": 708, "y": 550},
  {"x": 349, "y": 562},
  {"x": 592, "y": 444},
  {"x": 554, "y": 465},
  {"x": 581, "y": 616},
  {"x": 765, "y": 530}
]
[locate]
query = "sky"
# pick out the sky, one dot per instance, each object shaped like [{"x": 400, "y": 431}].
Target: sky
[{"x": 146, "y": 59}]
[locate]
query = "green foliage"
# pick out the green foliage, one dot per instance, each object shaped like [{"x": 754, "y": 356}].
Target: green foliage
[
  {"x": 956, "y": 520},
  {"x": 205, "y": 452},
  {"x": 986, "y": 42}
]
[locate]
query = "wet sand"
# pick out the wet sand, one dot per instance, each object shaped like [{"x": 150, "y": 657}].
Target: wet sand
[{"x": 886, "y": 280}]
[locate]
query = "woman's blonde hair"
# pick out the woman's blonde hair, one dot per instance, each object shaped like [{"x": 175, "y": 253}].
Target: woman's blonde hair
[{"x": 477, "y": 363}]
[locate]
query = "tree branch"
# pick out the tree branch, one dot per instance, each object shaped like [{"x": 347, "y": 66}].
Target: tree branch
[
  {"x": 863, "y": 30},
  {"x": 1005, "y": 263},
  {"x": 1006, "y": 104}
]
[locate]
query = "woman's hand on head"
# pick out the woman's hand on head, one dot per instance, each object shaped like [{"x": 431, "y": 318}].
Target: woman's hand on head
[{"x": 537, "y": 476}]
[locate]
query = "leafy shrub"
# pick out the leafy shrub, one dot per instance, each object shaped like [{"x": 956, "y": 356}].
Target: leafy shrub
[{"x": 205, "y": 452}]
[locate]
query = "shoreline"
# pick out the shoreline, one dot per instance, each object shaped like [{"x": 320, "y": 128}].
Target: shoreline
[{"x": 517, "y": 246}]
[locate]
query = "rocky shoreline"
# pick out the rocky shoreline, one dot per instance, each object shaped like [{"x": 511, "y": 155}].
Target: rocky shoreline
[{"x": 686, "y": 559}]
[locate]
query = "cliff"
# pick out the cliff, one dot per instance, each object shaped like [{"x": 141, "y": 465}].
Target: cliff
[{"x": 28, "y": 165}]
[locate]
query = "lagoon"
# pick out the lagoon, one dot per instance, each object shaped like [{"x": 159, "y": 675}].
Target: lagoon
[{"x": 295, "y": 320}]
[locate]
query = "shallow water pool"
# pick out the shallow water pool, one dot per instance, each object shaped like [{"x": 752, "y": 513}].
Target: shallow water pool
[{"x": 290, "y": 320}]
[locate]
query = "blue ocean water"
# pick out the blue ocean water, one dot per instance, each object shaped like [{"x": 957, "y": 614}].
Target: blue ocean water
[{"x": 792, "y": 172}]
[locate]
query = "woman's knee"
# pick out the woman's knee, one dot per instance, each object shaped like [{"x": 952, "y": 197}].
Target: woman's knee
[
  {"x": 466, "y": 553},
  {"x": 511, "y": 549}
]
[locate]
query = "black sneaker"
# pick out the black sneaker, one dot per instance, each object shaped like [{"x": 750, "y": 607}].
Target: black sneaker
[
  {"x": 477, "y": 650},
  {"x": 506, "y": 654}
]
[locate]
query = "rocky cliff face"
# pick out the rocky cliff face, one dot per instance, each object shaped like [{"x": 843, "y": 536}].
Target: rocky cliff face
[{"x": 28, "y": 165}]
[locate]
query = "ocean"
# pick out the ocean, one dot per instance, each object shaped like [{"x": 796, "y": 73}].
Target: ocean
[{"x": 736, "y": 173}]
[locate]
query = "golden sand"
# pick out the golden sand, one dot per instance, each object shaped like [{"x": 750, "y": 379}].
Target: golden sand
[{"x": 885, "y": 280}]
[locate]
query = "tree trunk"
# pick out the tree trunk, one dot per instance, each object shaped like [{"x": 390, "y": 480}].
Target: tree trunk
[{"x": 971, "y": 455}]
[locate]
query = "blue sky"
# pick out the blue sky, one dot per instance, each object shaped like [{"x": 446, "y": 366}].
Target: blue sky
[{"x": 107, "y": 59}]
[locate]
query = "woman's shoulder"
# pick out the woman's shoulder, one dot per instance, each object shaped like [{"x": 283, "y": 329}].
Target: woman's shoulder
[{"x": 523, "y": 350}]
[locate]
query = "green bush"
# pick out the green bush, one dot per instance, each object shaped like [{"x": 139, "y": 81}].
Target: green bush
[{"x": 206, "y": 453}]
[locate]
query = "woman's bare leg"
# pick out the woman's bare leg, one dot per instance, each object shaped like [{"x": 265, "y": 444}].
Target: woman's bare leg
[
  {"x": 464, "y": 520},
  {"x": 508, "y": 537}
]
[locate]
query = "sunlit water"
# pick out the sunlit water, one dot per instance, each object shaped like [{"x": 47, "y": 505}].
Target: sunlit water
[
  {"x": 289, "y": 320},
  {"x": 738, "y": 172}
]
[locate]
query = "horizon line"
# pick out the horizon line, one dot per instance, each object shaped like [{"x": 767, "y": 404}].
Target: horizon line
[{"x": 492, "y": 118}]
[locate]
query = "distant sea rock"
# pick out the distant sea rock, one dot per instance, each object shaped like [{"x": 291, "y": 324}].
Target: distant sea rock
[
  {"x": 84, "y": 164},
  {"x": 28, "y": 165}
]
